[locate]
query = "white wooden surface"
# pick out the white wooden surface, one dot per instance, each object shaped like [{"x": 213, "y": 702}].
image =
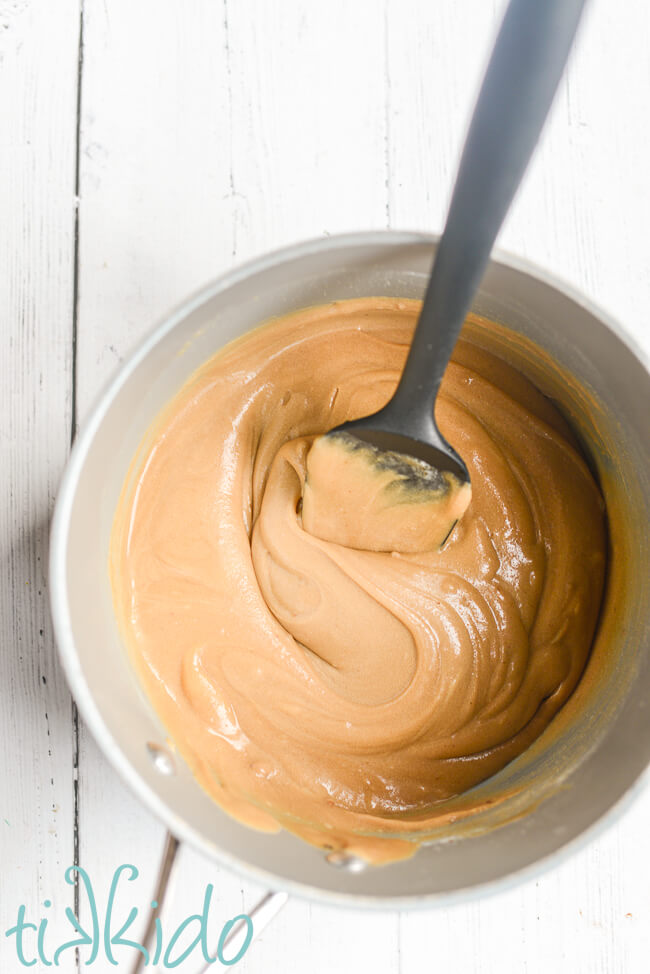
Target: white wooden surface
[{"x": 202, "y": 133}]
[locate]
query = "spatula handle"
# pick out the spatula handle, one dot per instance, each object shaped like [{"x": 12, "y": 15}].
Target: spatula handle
[{"x": 524, "y": 71}]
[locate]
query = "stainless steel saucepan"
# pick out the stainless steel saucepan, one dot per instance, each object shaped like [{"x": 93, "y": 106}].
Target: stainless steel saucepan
[{"x": 594, "y": 753}]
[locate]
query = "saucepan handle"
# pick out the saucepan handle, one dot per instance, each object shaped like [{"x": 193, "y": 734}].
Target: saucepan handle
[{"x": 260, "y": 914}]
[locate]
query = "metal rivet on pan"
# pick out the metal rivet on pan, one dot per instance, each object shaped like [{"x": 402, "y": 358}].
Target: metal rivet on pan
[
  {"x": 162, "y": 760},
  {"x": 343, "y": 860}
]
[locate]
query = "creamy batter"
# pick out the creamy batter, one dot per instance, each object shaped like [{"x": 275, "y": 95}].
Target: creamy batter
[{"x": 340, "y": 693}]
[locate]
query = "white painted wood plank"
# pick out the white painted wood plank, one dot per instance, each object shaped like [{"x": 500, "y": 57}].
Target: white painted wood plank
[
  {"x": 308, "y": 89},
  {"x": 151, "y": 228},
  {"x": 38, "y": 75},
  {"x": 436, "y": 54}
]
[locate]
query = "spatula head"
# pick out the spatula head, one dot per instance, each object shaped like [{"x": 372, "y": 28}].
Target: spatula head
[{"x": 364, "y": 496}]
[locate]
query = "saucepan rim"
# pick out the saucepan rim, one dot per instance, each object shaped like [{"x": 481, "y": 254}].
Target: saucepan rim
[{"x": 59, "y": 590}]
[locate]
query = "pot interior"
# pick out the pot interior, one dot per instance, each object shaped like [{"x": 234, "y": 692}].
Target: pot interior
[{"x": 596, "y": 747}]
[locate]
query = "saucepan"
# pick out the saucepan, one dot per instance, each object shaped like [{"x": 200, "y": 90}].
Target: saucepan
[{"x": 592, "y": 757}]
